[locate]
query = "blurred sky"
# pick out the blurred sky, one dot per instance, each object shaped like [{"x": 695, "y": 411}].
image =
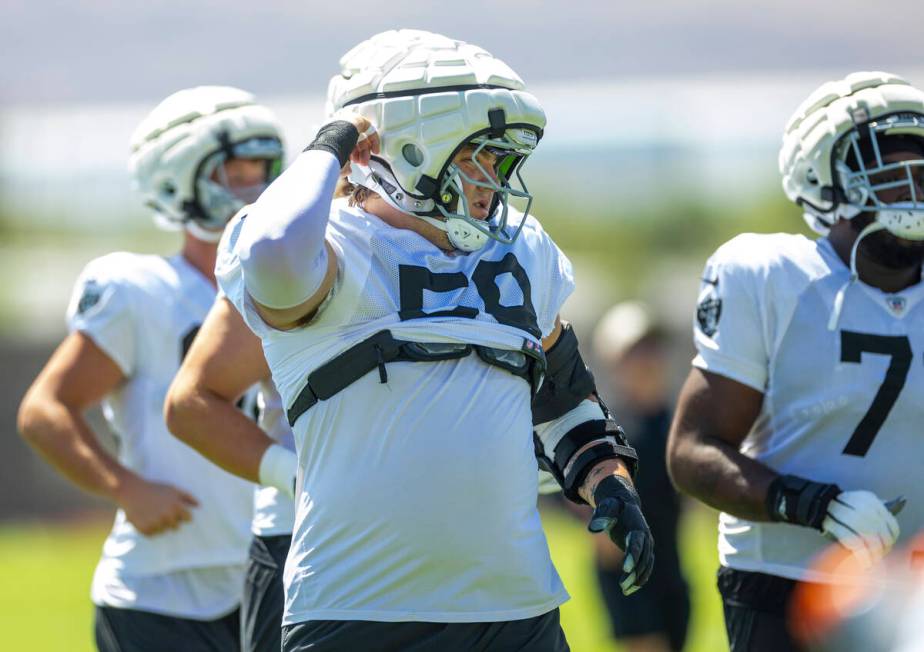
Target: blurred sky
[
  {"x": 101, "y": 50},
  {"x": 635, "y": 93}
]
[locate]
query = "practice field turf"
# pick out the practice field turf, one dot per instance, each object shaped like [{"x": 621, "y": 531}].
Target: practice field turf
[{"x": 45, "y": 576}]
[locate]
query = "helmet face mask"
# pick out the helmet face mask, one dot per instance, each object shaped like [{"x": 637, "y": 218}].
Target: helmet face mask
[
  {"x": 835, "y": 158},
  {"x": 429, "y": 97},
  {"x": 215, "y": 198},
  {"x": 891, "y": 189},
  {"x": 453, "y": 204},
  {"x": 180, "y": 150}
]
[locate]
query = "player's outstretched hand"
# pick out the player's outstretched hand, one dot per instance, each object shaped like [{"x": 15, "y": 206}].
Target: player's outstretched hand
[
  {"x": 862, "y": 523},
  {"x": 619, "y": 514},
  {"x": 153, "y": 507}
]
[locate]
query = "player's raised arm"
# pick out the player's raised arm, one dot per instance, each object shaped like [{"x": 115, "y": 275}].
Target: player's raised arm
[
  {"x": 224, "y": 361},
  {"x": 78, "y": 375},
  {"x": 581, "y": 445},
  {"x": 288, "y": 268}
]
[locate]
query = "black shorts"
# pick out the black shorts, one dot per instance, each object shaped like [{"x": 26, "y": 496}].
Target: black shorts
[
  {"x": 660, "y": 607},
  {"x": 755, "y": 608},
  {"x": 539, "y": 634},
  {"x": 128, "y": 630},
  {"x": 264, "y": 598}
]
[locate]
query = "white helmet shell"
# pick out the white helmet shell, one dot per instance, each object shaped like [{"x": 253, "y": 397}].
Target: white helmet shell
[
  {"x": 428, "y": 95},
  {"x": 179, "y": 144},
  {"x": 827, "y": 127}
]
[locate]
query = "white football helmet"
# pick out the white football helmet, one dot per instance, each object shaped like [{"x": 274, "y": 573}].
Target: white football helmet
[
  {"x": 830, "y": 140},
  {"x": 178, "y": 151},
  {"x": 428, "y": 96}
]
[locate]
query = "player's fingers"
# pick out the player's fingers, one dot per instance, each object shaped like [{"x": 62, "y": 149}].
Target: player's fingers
[
  {"x": 603, "y": 517},
  {"x": 375, "y": 143},
  {"x": 635, "y": 548},
  {"x": 888, "y": 523},
  {"x": 183, "y": 515},
  {"x": 628, "y": 564},
  {"x": 188, "y": 499},
  {"x": 646, "y": 564},
  {"x": 628, "y": 583}
]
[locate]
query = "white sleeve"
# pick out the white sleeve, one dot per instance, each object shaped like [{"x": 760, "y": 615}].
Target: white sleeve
[
  {"x": 281, "y": 243},
  {"x": 101, "y": 308},
  {"x": 728, "y": 329},
  {"x": 230, "y": 278}
]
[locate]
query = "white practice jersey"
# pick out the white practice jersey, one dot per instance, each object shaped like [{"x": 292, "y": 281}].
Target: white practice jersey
[
  {"x": 843, "y": 406},
  {"x": 143, "y": 312},
  {"x": 274, "y": 512},
  {"x": 418, "y": 498}
]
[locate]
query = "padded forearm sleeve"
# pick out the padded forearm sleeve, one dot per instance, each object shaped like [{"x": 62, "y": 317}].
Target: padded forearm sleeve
[
  {"x": 567, "y": 383},
  {"x": 281, "y": 247}
]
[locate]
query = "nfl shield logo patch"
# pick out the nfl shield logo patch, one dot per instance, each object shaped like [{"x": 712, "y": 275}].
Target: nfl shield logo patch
[{"x": 896, "y": 304}]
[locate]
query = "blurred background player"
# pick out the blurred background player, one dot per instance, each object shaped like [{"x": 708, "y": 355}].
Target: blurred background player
[
  {"x": 171, "y": 572},
  {"x": 631, "y": 351},
  {"x": 224, "y": 361},
  {"x": 802, "y": 413},
  {"x": 403, "y": 331}
]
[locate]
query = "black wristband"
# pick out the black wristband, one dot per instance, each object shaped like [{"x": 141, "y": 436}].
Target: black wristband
[
  {"x": 795, "y": 500},
  {"x": 338, "y": 137}
]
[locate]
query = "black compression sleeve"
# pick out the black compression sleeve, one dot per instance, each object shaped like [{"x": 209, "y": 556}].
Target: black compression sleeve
[{"x": 338, "y": 137}]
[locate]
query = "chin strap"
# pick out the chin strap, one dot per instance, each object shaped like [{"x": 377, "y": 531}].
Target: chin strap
[
  {"x": 872, "y": 227},
  {"x": 199, "y": 232},
  {"x": 461, "y": 235}
]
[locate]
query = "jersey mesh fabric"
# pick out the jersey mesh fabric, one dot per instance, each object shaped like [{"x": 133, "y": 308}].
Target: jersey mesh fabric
[
  {"x": 143, "y": 311},
  {"x": 438, "y": 521},
  {"x": 776, "y": 294}
]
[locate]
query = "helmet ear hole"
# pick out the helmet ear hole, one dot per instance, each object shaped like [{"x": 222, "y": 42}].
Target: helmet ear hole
[{"x": 412, "y": 154}]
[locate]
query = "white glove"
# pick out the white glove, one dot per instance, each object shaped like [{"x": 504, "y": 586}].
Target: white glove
[
  {"x": 860, "y": 522},
  {"x": 277, "y": 469}
]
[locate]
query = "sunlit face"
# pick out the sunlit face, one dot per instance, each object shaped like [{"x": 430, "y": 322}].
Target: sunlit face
[
  {"x": 245, "y": 178},
  {"x": 478, "y": 199}
]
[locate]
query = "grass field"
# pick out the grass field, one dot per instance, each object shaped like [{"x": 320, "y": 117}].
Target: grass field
[{"x": 45, "y": 573}]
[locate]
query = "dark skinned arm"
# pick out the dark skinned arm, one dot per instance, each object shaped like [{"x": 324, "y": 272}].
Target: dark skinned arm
[{"x": 714, "y": 415}]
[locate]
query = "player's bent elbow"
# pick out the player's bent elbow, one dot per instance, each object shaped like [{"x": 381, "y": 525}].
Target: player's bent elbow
[
  {"x": 32, "y": 419},
  {"x": 680, "y": 463},
  {"x": 177, "y": 410}
]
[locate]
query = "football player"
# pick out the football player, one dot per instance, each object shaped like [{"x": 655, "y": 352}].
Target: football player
[
  {"x": 631, "y": 347},
  {"x": 408, "y": 329},
  {"x": 224, "y": 361},
  {"x": 800, "y": 419},
  {"x": 171, "y": 572}
]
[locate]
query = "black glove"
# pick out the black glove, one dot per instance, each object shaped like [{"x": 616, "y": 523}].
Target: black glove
[
  {"x": 799, "y": 501},
  {"x": 619, "y": 514}
]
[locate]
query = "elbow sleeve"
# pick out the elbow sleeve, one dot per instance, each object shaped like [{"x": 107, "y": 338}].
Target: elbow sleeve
[{"x": 282, "y": 250}]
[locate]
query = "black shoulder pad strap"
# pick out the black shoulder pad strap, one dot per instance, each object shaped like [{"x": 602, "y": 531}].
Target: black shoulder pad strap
[{"x": 568, "y": 381}]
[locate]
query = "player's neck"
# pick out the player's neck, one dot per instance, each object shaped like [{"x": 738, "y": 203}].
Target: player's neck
[
  {"x": 869, "y": 271},
  {"x": 201, "y": 255},
  {"x": 377, "y": 206}
]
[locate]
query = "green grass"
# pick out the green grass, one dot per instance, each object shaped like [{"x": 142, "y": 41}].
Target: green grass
[
  {"x": 583, "y": 617},
  {"x": 45, "y": 573}
]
